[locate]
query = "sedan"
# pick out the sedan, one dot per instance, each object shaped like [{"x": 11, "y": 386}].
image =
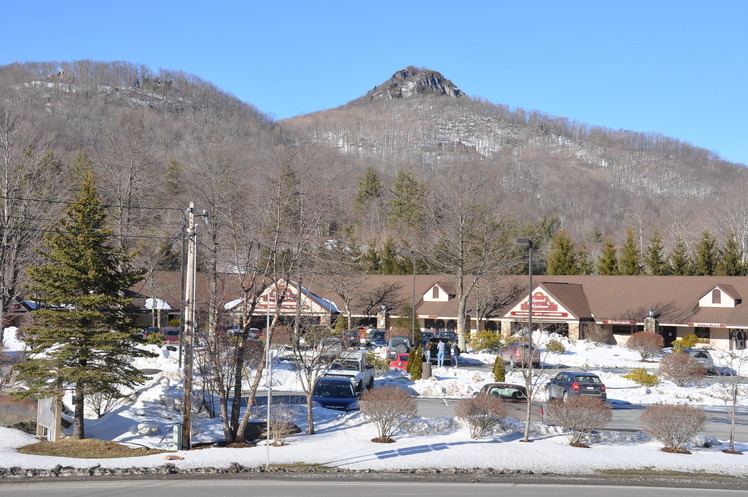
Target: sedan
[{"x": 565, "y": 384}]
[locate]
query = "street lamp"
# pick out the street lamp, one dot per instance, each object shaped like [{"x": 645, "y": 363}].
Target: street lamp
[
  {"x": 528, "y": 242},
  {"x": 413, "y": 305}
]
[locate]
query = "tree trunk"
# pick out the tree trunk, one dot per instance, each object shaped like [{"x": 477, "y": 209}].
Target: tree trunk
[{"x": 78, "y": 419}]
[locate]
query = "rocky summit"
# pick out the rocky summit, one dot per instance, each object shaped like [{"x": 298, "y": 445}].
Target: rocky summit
[{"x": 413, "y": 81}]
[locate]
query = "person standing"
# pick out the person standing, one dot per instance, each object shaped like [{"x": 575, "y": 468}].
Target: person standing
[
  {"x": 456, "y": 353},
  {"x": 441, "y": 349},
  {"x": 428, "y": 351}
]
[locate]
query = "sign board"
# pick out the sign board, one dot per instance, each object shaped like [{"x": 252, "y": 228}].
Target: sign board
[
  {"x": 48, "y": 420},
  {"x": 283, "y": 295},
  {"x": 542, "y": 307},
  {"x": 708, "y": 325}
]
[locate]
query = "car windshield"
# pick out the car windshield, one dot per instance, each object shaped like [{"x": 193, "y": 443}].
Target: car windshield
[
  {"x": 378, "y": 334},
  {"x": 588, "y": 379},
  {"x": 508, "y": 393},
  {"x": 337, "y": 390}
]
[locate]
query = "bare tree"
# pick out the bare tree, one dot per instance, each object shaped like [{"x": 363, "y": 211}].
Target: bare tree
[
  {"x": 646, "y": 344},
  {"x": 481, "y": 413},
  {"x": 681, "y": 368},
  {"x": 389, "y": 408},
  {"x": 579, "y": 415},
  {"x": 731, "y": 388},
  {"x": 672, "y": 425}
]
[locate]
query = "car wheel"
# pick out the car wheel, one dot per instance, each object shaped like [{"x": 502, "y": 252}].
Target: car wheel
[
  {"x": 360, "y": 387},
  {"x": 371, "y": 384}
]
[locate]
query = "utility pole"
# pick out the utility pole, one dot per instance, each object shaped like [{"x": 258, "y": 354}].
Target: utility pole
[{"x": 189, "y": 324}]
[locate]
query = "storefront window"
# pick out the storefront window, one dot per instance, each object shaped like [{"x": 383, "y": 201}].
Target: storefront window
[
  {"x": 622, "y": 329},
  {"x": 702, "y": 332}
]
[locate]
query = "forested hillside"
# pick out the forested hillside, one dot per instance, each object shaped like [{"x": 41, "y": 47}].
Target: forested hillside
[{"x": 413, "y": 164}]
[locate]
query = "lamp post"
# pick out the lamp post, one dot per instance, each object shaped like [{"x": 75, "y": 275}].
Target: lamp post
[
  {"x": 413, "y": 305},
  {"x": 528, "y": 242}
]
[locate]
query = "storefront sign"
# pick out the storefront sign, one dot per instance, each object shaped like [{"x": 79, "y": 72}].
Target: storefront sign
[
  {"x": 617, "y": 321},
  {"x": 707, "y": 325},
  {"x": 542, "y": 306}
]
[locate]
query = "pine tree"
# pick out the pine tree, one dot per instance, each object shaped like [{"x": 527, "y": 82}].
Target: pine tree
[
  {"x": 731, "y": 258},
  {"x": 607, "y": 263},
  {"x": 83, "y": 336},
  {"x": 630, "y": 262},
  {"x": 654, "y": 258},
  {"x": 406, "y": 205},
  {"x": 680, "y": 261},
  {"x": 706, "y": 259},
  {"x": 562, "y": 258},
  {"x": 369, "y": 187},
  {"x": 584, "y": 260}
]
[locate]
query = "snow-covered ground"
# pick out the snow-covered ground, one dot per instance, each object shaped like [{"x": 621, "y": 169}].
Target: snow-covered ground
[{"x": 343, "y": 440}]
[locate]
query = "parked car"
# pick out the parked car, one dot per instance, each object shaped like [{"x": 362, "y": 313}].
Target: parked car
[
  {"x": 335, "y": 393},
  {"x": 350, "y": 338},
  {"x": 397, "y": 345},
  {"x": 145, "y": 332},
  {"x": 355, "y": 368},
  {"x": 519, "y": 353},
  {"x": 400, "y": 362},
  {"x": 330, "y": 346},
  {"x": 565, "y": 384},
  {"x": 703, "y": 356},
  {"x": 376, "y": 339},
  {"x": 249, "y": 332},
  {"x": 171, "y": 334},
  {"x": 514, "y": 398},
  {"x": 449, "y": 335},
  {"x": 425, "y": 336}
]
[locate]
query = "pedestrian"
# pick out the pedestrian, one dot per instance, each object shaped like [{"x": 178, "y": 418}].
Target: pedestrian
[
  {"x": 456, "y": 353},
  {"x": 441, "y": 349},
  {"x": 428, "y": 351}
]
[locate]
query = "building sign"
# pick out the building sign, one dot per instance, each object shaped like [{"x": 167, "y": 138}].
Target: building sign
[
  {"x": 283, "y": 295},
  {"x": 617, "y": 321},
  {"x": 542, "y": 306},
  {"x": 707, "y": 325},
  {"x": 16, "y": 309}
]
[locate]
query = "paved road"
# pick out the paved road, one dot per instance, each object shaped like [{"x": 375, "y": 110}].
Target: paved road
[{"x": 240, "y": 487}]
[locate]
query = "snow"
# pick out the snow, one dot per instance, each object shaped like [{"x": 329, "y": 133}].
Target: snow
[{"x": 343, "y": 440}]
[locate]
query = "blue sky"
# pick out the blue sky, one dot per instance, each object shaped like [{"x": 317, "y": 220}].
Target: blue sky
[{"x": 678, "y": 68}]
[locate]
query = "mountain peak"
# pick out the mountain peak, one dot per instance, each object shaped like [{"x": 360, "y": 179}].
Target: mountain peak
[{"x": 414, "y": 81}]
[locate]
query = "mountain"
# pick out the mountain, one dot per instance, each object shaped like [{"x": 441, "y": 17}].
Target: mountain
[{"x": 593, "y": 178}]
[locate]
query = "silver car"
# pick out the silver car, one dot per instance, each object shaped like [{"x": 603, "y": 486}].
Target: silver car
[{"x": 703, "y": 356}]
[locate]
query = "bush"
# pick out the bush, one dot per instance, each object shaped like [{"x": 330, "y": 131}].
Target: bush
[
  {"x": 415, "y": 363},
  {"x": 681, "y": 368},
  {"x": 480, "y": 413},
  {"x": 380, "y": 363},
  {"x": 155, "y": 339},
  {"x": 499, "y": 369},
  {"x": 579, "y": 415},
  {"x": 640, "y": 376},
  {"x": 389, "y": 408},
  {"x": 672, "y": 425},
  {"x": 486, "y": 341},
  {"x": 687, "y": 342},
  {"x": 646, "y": 344},
  {"x": 555, "y": 346},
  {"x": 599, "y": 334}
]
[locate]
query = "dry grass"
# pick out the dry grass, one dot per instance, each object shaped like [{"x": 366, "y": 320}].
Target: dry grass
[{"x": 87, "y": 448}]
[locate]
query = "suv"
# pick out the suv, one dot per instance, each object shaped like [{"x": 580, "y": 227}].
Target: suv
[
  {"x": 397, "y": 345},
  {"x": 565, "y": 384},
  {"x": 519, "y": 353},
  {"x": 703, "y": 356}
]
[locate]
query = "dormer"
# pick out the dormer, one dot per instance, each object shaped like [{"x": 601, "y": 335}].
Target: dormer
[
  {"x": 439, "y": 292},
  {"x": 720, "y": 296}
]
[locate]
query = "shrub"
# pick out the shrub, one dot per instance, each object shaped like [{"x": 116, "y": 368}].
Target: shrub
[
  {"x": 646, "y": 344},
  {"x": 640, "y": 376},
  {"x": 579, "y": 415},
  {"x": 155, "y": 339},
  {"x": 681, "y": 368},
  {"x": 389, "y": 408},
  {"x": 687, "y": 342},
  {"x": 599, "y": 334},
  {"x": 415, "y": 363},
  {"x": 380, "y": 363},
  {"x": 499, "y": 369},
  {"x": 486, "y": 341},
  {"x": 480, "y": 413},
  {"x": 672, "y": 425},
  {"x": 555, "y": 346},
  {"x": 282, "y": 422}
]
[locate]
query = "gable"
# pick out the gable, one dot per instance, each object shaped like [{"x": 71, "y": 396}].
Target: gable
[
  {"x": 720, "y": 296},
  {"x": 439, "y": 292},
  {"x": 544, "y": 306}
]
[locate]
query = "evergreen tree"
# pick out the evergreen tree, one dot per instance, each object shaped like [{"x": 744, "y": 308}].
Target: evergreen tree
[
  {"x": 731, "y": 260},
  {"x": 584, "y": 260},
  {"x": 680, "y": 261},
  {"x": 406, "y": 205},
  {"x": 562, "y": 258},
  {"x": 84, "y": 335},
  {"x": 390, "y": 262},
  {"x": 654, "y": 258},
  {"x": 706, "y": 255},
  {"x": 369, "y": 187},
  {"x": 607, "y": 263},
  {"x": 370, "y": 260},
  {"x": 630, "y": 262}
]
